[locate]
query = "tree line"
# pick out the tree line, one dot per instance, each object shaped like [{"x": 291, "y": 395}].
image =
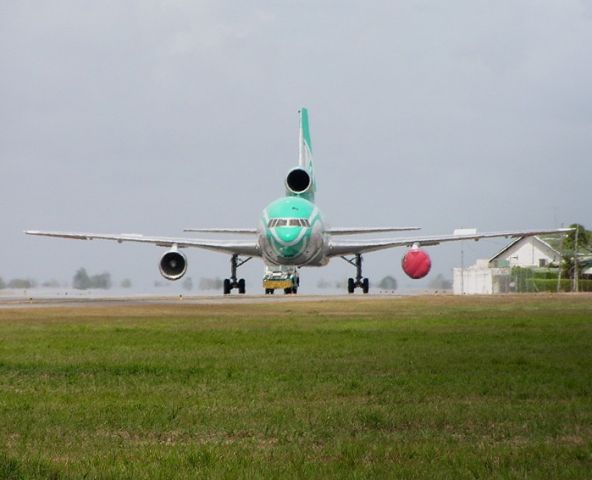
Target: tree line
[{"x": 81, "y": 281}]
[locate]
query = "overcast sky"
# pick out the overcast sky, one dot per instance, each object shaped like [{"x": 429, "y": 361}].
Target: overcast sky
[{"x": 149, "y": 117}]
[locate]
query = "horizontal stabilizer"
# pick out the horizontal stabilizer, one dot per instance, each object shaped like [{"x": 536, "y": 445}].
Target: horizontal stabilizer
[{"x": 354, "y": 231}]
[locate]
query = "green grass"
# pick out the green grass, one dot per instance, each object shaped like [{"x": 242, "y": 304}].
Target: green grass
[{"x": 421, "y": 387}]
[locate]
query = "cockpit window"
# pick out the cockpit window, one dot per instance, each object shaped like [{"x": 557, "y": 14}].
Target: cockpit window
[{"x": 288, "y": 222}]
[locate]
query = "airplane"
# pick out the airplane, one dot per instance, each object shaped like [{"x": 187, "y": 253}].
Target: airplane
[{"x": 292, "y": 233}]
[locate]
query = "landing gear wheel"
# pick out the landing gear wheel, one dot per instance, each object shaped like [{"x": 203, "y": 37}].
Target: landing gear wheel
[
  {"x": 359, "y": 281},
  {"x": 287, "y": 291},
  {"x": 232, "y": 282}
]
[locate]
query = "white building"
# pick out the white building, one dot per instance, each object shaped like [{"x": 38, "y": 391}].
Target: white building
[
  {"x": 491, "y": 276},
  {"x": 480, "y": 279},
  {"x": 527, "y": 252}
]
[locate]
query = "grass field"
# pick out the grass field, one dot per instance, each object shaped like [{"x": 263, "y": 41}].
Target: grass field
[{"x": 419, "y": 387}]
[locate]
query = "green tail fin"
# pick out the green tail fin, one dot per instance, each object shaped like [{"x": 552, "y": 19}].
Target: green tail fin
[
  {"x": 305, "y": 157},
  {"x": 305, "y": 151}
]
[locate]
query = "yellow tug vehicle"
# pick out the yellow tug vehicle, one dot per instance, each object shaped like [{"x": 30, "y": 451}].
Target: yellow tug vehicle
[{"x": 282, "y": 277}]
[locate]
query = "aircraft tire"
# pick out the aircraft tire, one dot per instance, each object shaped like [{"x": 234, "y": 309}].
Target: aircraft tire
[
  {"x": 226, "y": 286},
  {"x": 350, "y": 285},
  {"x": 241, "y": 286},
  {"x": 365, "y": 285}
]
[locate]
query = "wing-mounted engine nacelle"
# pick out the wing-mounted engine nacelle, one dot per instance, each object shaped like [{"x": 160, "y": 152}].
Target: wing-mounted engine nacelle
[
  {"x": 298, "y": 180},
  {"x": 173, "y": 265},
  {"x": 416, "y": 263}
]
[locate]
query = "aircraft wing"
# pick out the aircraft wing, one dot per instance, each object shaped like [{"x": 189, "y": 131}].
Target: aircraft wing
[
  {"x": 355, "y": 230},
  {"x": 249, "y": 231},
  {"x": 250, "y": 248},
  {"x": 352, "y": 247}
]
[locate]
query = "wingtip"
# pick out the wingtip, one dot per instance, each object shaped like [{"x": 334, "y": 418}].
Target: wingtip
[{"x": 561, "y": 230}]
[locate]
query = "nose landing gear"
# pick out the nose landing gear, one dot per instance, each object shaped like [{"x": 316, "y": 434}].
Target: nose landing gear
[
  {"x": 359, "y": 281},
  {"x": 232, "y": 282}
]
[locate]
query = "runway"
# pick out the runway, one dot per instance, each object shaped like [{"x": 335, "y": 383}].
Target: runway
[{"x": 144, "y": 300}]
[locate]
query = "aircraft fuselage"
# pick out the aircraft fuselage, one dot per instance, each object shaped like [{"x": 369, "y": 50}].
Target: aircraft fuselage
[{"x": 292, "y": 232}]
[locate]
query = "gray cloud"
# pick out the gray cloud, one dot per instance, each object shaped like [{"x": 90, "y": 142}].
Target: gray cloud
[{"x": 153, "y": 116}]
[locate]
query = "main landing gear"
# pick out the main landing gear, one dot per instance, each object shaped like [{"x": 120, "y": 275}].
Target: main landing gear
[
  {"x": 360, "y": 282},
  {"x": 232, "y": 282}
]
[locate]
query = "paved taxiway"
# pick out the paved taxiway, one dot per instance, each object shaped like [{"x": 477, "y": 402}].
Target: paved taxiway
[{"x": 32, "y": 302}]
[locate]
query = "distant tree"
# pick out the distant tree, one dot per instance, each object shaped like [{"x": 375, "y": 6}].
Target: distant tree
[
  {"x": 584, "y": 238},
  {"x": 388, "y": 283},
  {"x": 101, "y": 281},
  {"x": 188, "y": 284},
  {"x": 570, "y": 249},
  {"x": 126, "y": 283},
  {"x": 81, "y": 280},
  {"x": 2, "y": 283},
  {"x": 53, "y": 283},
  {"x": 440, "y": 283},
  {"x": 22, "y": 283},
  {"x": 322, "y": 283}
]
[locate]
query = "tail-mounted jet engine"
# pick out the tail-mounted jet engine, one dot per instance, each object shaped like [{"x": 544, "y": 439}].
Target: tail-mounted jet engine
[
  {"x": 298, "y": 180},
  {"x": 173, "y": 265},
  {"x": 416, "y": 263}
]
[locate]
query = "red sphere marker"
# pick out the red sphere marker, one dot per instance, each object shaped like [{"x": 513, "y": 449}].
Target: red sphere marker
[{"x": 416, "y": 263}]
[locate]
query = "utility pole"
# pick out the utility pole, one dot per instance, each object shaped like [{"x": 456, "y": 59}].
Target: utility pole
[
  {"x": 462, "y": 268},
  {"x": 575, "y": 277},
  {"x": 463, "y": 231},
  {"x": 560, "y": 263}
]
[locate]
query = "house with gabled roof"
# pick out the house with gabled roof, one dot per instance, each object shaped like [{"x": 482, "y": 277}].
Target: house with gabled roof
[
  {"x": 526, "y": 252},
  {"x": 490, "y": 276}
]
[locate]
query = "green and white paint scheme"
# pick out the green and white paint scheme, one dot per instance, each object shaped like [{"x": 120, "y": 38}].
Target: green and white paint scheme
[
  {"x": 305, "y": 154},
  {"x": 291, "y": 232}
]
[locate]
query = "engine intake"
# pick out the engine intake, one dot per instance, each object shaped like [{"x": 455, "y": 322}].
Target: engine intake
[
  {"x": 173, "y": 265},
  {"x": 298, "y": 180}
]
